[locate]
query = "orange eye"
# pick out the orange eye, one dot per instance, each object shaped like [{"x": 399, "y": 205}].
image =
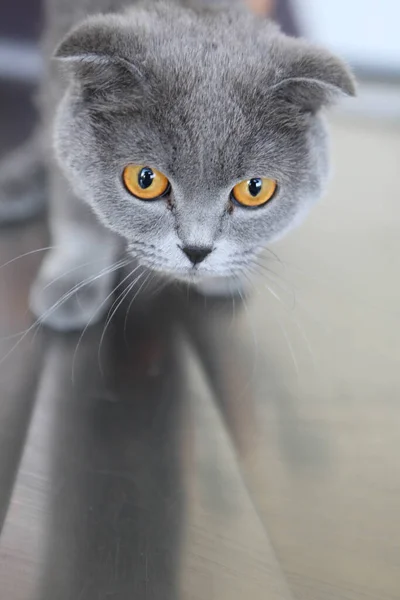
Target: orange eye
[
  {"x": 145, "y": 183},
  {"x": 254, "y": 193}
]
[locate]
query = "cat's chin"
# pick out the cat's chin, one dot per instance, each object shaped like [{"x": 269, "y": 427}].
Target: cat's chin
[
  {"x": 215, "y": 286},
  {"x": 190, "y": 277}
]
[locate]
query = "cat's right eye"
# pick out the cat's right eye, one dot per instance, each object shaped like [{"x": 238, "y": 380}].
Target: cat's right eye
[{"x": 144, "y": 182}]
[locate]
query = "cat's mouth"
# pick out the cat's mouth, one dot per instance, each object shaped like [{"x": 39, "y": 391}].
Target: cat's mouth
[
  {"x": 156, "y": 261},
  {"x": 191, "y": 274}
]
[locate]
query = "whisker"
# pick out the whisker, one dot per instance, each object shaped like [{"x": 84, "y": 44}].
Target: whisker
[
  {"x": 76, "y": 268},
  {"x": 91, "y": 320},
  {"x": 307, "y": 342},
  {"x": 275, "y": 256},
  {"x": 119, "y": 302},
  {"x": 265, "y": 271},
  {"x": 64, "y": 298},
  {"x": 233, "y": 317},
  {"x": 119, "y": 295},
  {"x": 129, "y": 308},
  {"x": 274, "y": 294},
  {"x": 301, "y": 331},
  {"x": 255, "y": 340},
  {"x": 297, "y": 301},
  {"x": 133, "y": 300},
  {"x": 330, "y": 284},
  {"x": 290, "y": 346},
  {"x": 77, "y": 288},
  {"x": 187, "y": 292},
  {"x": 312, "y": 316},
  {"x": 13, "y": 260},
  {"x": 164, "y": 283}
]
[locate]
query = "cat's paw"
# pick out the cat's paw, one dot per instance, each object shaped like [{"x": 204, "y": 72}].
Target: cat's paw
[
  {"x": 68, "y": 297},
  {"x": 22, "y": 185}
]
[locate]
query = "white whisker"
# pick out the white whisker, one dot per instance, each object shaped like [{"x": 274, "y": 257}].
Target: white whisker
[
  {"x": 290, "y": 346},
  {"x": 233, "y": 318},
  {"x": 130, "y": 305},
  {"x": 119, "y": 302},
  {"x": 13, "y": 260},
  {"x": 255, "y": 340},
  {"x": 76, "y": 268},
  {"x": 134, "y": 298},
  {"x": 64, "y": 298},
  {"x": 90, "y": 322}
]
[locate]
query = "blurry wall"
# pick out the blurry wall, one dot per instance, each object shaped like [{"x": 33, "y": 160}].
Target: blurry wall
[
  {"x": 20, "y": 25},
  {"x": 366, "y": 32},
  {"x": 20, "y": 19}
]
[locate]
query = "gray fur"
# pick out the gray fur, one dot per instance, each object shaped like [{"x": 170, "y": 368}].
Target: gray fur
[{"x": 208, "y": 96}]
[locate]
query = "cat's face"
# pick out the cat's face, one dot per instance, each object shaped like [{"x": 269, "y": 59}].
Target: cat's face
[{"x": 195, "y": 136}]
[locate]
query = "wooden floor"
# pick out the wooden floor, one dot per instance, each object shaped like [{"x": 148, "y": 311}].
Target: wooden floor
[{"x": 210, "y": 450}]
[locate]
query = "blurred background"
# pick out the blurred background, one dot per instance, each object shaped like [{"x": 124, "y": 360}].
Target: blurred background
[{"x": 209, "y": 449}]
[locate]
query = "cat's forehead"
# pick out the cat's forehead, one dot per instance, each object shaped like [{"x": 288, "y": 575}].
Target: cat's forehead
[
  {"x": 204, "y": 71},
  {"x": 218, "y": 41},
  {"x": 202, "y": 128}
]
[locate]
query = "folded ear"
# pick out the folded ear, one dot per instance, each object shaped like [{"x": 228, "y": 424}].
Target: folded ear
[
  {"x": 99, "y": 51},
  {"x": 311, "y": 77}
]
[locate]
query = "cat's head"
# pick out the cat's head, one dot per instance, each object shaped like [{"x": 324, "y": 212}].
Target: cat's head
[{"x": 197, "y": 136}]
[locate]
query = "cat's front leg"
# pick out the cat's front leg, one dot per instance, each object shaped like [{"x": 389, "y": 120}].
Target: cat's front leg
[{"x": 74, "y": 285}]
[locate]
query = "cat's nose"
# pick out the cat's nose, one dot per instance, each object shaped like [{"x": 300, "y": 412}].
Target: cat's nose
[{"x": 196, "y": 254}]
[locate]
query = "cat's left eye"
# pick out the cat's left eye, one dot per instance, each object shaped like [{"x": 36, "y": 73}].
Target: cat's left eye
[
  {"x": 144, "y": 182},
  {"x": 254, "y": 193}
]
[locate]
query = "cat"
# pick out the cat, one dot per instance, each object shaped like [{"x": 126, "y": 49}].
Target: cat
[{"x": 192, "y": 133}]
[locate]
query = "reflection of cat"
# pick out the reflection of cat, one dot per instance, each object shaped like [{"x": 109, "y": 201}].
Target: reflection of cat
[{"x": 193, "y": 134}]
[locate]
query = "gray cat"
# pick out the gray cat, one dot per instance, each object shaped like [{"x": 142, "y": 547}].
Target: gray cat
[{"x": 191, "y": 134}]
